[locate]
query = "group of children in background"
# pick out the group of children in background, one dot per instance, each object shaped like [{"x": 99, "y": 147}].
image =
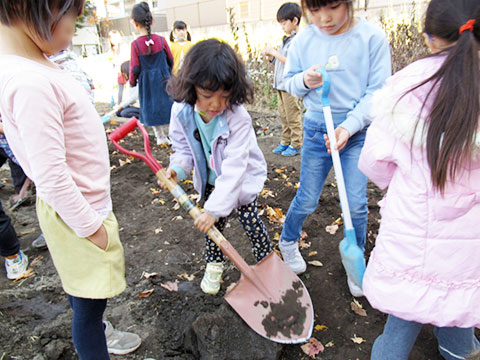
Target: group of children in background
[{"x": 422, "y": 144}]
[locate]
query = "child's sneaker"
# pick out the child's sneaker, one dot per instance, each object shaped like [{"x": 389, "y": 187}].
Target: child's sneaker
[
  {"x": 279, "y": 149},
  {"x": 355, "y": 290},
  {"x": 211, "y": 279},
  {"x": 16, "y": 265},
  {"x": 291, "y": 151},
  {"x": 120, "y": 342},
  {"x": 163, "y": 140},
  {"x": 292, "y": 257},
  {"x": 39, "y": 242}
]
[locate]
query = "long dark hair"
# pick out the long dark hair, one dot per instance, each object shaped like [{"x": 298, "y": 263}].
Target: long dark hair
[
  {"x": 40, "y": 16},
  {"x": 142, "y": 15},
  {"x": 211, "y": 65},
  {"x": 452, "y": 123},
  {"x": 179, "y": 25}
]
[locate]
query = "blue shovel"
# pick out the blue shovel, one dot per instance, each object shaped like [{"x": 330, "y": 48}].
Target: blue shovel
[{"x": 352, "y": 256}]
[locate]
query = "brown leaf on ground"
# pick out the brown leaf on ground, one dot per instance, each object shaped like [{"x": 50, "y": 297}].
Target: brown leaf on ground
[
  {"x": 312, "y": 253},
  {"x": 148, "y": 275},
  {"x": 145, "y": 294},
  {"x": 170, "y": 285},
  {"x": 304, "y": 245},
  {"x": 312, "y": 347},
  {"x": 331, "y": 229},
  {"x": 28, "y": 273},
  {"x": 315, "y": 263},
  {"x": 36, "y": 261},
  {"x": 186, "y": 276},
  {"x": 357, "y": 308}
]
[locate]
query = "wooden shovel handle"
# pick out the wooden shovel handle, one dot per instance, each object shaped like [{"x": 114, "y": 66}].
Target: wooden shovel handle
[{"x": 214, "y": 234}]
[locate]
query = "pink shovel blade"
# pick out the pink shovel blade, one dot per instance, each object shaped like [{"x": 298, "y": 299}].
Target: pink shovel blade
[{"x": 278, "y": 308}]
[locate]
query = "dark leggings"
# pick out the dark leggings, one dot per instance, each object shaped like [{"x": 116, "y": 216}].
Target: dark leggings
[
  {"x": 252, "y": 225},
  {"x": 87, "y": 328},
  {"x": 9, "y": 244}
]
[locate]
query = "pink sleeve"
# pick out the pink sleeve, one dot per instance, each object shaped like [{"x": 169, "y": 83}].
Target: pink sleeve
[
  {"x": 37, "y": 133},
  {"x": 377, "y": 161}
]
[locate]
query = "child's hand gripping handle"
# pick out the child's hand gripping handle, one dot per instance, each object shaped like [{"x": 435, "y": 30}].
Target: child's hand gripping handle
[
  {"x": 327, "y": 112},
  {"x": 161, "y": 174}
]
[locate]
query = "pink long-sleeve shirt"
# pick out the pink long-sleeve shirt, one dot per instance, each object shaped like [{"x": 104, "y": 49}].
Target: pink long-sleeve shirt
[{"x": 58, "y": 139}]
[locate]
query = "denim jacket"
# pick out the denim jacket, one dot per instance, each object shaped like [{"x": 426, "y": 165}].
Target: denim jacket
[{"x": 236, "y": 158}]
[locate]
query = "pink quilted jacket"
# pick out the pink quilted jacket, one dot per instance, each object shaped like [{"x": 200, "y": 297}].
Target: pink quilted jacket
[{"x": 426, "y": 263}]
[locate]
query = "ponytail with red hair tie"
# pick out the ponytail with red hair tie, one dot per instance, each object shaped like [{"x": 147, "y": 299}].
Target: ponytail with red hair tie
[{"x": 467, "y": 26}]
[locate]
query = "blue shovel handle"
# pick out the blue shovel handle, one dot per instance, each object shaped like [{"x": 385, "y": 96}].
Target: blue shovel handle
[
  {"x": 351, "y": 254},
  {"x": 325, "y": 89}
]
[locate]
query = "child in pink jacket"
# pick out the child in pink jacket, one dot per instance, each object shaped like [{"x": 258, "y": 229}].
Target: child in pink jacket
[
  {"x": 424, "y": 145},
  {"x": 212, "y": 133},
  {"x": 59, "y": 141}
]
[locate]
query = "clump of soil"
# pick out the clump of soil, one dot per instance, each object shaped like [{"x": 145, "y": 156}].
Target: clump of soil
[{"x": 288, "y": 316}]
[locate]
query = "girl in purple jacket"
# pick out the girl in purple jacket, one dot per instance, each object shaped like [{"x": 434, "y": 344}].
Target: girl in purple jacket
[
  {"x": 212, "y": 133},
  {"x": 424, "y": 145}
]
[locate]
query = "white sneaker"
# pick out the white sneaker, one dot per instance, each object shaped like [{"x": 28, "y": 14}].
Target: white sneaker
[
  {"x": 211, "y": 279},
  {"x": 292, "y": 257},
  {"x": 163, "y": 140},
  {"x": 120, "y": 342},
  {"x": 355, "y": 290},
  {"x": 16, "y": 265}
]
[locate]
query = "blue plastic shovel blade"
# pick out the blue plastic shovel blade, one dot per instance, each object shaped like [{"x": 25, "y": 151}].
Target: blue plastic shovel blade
[{"x": 352, "y": 257}]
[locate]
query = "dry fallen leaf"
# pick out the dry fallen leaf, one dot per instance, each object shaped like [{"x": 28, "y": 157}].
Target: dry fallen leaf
[
  {"x": 186, "y": 276},
  {"x": 279, "y": 171},
  {"x": 158, "y": 230},
  {"x": 155, "y": 191},
  {"x": 312, "y": 253},
  {"x": 275, "y": 215},
  {"x": 357, "y": 308},
  {"x": 357, "y": 339},
  {"x": 188, "y": 181},
  {"x": 303, "y": 236},
  {"x": 176, "y": 206},
  {"x": 28, "y": 273},
  {"x": 267, "y": 193},
  {"x": 331, "y": 229},
  {"x": 315, "y": 263},
  {"x": 276, "y": 237},
  {"x": 36, "y": 261},
  {"x": 170, "y": 285},
  {"x": 304, "y": 245},
  {"x": 145, "y": 293},
  {"x": 176, "y": 218},
  {"x": 147, "y": 275},
  {"x": 320, "y": 327},
  {"x": 329, "y": 344},
  {"x": 312, "y": 347}
]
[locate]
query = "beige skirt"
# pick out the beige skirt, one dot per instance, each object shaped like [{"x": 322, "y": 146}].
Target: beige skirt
[{"x": 85, "y": 270}]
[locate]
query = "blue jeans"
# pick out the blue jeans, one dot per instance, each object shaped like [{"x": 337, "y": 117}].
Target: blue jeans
[
  {"x": 316, "y": 164},
  {"x": 87, "y": 328},
  {"x": 399, "y": 336}
]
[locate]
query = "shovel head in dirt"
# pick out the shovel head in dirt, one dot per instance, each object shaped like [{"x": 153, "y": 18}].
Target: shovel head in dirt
[
  {"x": 269, "y": 296},
  {"x": 273, "y": 301},
  {"x": 352, "y": 257}
]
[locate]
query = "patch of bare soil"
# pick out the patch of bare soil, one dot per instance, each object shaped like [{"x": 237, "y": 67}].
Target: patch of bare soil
[{"x": 159, "y": 237}]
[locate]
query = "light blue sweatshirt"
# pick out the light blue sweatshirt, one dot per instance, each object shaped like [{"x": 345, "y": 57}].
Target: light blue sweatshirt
[{"x": 358, "y": 62}]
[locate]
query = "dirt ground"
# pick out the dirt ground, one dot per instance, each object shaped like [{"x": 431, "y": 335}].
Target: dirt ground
[{"x": 158, "y": 237}]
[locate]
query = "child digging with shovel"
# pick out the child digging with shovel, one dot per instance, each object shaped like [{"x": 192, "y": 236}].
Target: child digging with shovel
[{"x": 212, "y": 133}]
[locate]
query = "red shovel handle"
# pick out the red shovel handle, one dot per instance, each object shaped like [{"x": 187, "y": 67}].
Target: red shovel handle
[
  {"x": 174, "y": 188},
  {"x": 123, "y": 131}
]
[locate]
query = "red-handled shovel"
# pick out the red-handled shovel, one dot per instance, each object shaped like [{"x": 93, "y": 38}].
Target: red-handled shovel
[{"x": 269, "y": 297}]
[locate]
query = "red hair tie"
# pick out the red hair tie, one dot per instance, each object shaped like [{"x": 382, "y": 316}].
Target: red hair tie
[{"x": 468, "y": 26}]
